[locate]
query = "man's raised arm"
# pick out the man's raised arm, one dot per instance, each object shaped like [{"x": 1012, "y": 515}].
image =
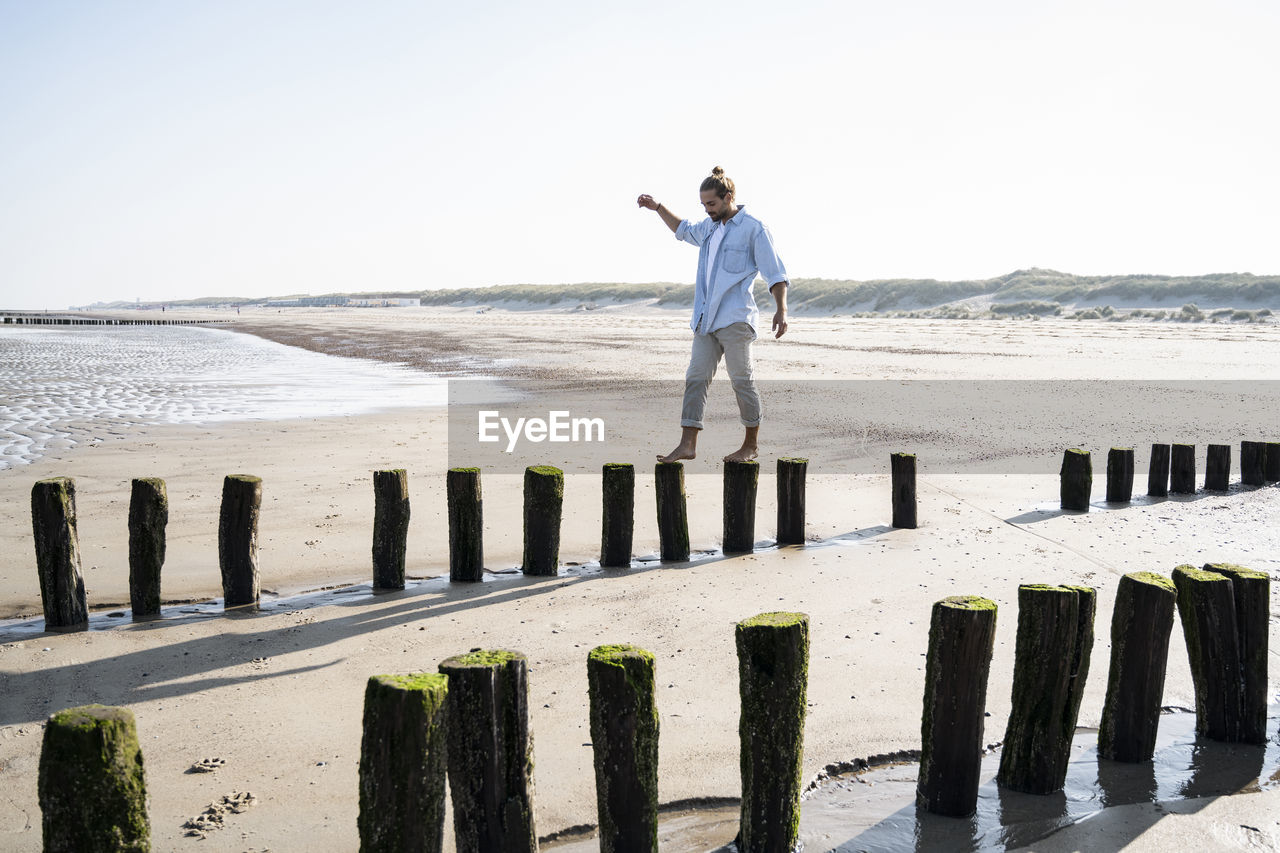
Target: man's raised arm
[{"x": 673, "y": 221}]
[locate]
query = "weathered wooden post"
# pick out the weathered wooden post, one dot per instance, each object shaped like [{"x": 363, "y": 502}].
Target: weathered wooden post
[
  {"x": 902, "y": 469},
  {"x": 1076, "y": 479},
  {"x": 791, "y": 491},
  {"x": 1206, "y": 606},
  {"x": 740, "y": 482},
  {"x": 773, "y": 674},
  {"x": 673, "y": 516},
  {"x": 148, "y": 517},
  {"x": 617, "y": 524},
  {"x": 466, "y": 524},
  {"x": 1140, "y": 628},
  {"x": 543, "y": 507},
  {"x": 402, "y": 763},
  {"x": 1158, "y": 477},
  {"x": 1120, "y": 475},
  {"x": 1271, "y": 463},
  {"x": 390, "y": 527},
  {"x": 1251, "y": 592},
  {"x": 1182, "y": 471},
  {"x": 1253, "y": 456},
  {"x": 1050, "y": 667},
  {"x": 238, "y": 539},
  {"x": 962, "y": 634},
  {"x": 92, "y": 788},
  {"x": 53, "y": 520},
  {"x": 624, "y": 740},
  {"x": 1217, "y": 468},
  {"x": 490, "y": 752}
]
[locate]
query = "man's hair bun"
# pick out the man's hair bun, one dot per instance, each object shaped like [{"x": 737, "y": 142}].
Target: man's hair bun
[{"x": 718, "y": 181}]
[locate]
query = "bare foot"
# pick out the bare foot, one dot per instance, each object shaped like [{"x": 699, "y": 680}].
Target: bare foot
[
  {"x": 682, "y": 451},
  {"x": 745, "y": 453}
]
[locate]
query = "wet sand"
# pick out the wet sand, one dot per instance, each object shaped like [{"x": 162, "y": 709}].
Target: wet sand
[{"x": 278, "y": 695}]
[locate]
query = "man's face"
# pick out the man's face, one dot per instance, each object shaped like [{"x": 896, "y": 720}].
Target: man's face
[{"x": 717, "y": 208}]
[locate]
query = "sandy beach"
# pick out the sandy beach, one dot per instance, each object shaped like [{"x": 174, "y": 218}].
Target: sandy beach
[{"x": 278, "y": 695}]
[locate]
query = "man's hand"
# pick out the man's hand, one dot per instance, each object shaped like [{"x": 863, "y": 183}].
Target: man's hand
[
  {"x": 647, "y": 201},
  {"x": 780, "y": 322}
]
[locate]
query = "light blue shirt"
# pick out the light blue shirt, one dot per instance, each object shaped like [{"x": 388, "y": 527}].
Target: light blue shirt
[{"x": 723, "y": 296}]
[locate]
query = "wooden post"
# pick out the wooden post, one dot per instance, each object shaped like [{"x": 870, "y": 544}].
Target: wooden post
[
  {"x": 624, "y": 741},
  {"x": 673, "y": 517},
  {"x": 1120, "y": 475},
  {"x": 902, "y": 468},
  {"x": 1253, "y": 456},
  {"x": 1050, "y": 663},
  {"x": 148, "y": 517},
  {"x": 1251, "y": 591},
  {"x": 962, "y": 634},
  {"x": 1207, "y": 609},
  {"x": 1217, "y": 468},
  {"x": 1076, "y": 479},
  {"x": 791, "y": 487},
  {"x": 1271, "y": 464},
  {"x": 490, "y": 752},
  {"x": 466, "y": 524},
  {"x": 390, "y": 527},
  {"x": 773, "y": 674},
  {"x": 402, "y": 763},
  {"x": 1081, "y": 656},
  {"x": 1158, "y": 478},
  {"x": 238, "y": 540},
  {"x": 617, "y": 524},
  {"x": 53, "y": 520},
  {"x": 543, "y": 506},
  {"x": 92, "y": 788},
  {"x": 1140, "y": 628},
  {"x": 1182, "y": 472},
  {"x": 740, "y": 482}
]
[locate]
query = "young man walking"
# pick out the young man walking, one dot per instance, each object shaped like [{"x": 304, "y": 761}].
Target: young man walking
[{"x": 733, "y": 247}]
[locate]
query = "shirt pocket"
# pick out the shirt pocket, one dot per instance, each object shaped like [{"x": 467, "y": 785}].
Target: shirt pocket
[{"x": 735, "y": 260}]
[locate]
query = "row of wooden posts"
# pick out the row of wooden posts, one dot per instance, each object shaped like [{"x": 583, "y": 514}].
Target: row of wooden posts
[
  {"x": 470, "y": 722},
  {"x": 56, "y": 320},
  {"x": 1172, "y": 471}
]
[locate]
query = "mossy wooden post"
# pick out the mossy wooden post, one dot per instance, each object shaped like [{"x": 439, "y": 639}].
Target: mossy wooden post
[
  {"x": 740, "y": 485},
  {"x": 53, "y": 521},
  {"x": 1253, "y": 456},
  {"x": 1271, "y": 462},
  {"x": 390, "y": 527},
  {"x": 1076, "y": 479},
  {"x": 1206, "y": 606},
  {"x": 238, "y": 539},
  {"x": 624, "y": 740},
  {"x": 1120, "y": 475},
  {"x": 1140, "y": 627},
  {"x": 1217, "y": 467},
  {"x": 92, "y": 789},
  {"x": 490, "y": 752},
  {"x": 617, "y": 524},
  {"x": 791, "y": 485},
  {"x": 902, "y": 469},
  {"x": 543, "y": 507},
  {"x": 1251, "y": 591},
  {"x": 402, "y": 763},
  {"x": 1182, "y": 469},
  {"x": 1158, "y": 475},
  {"x": 148, "y": 517},
  {"x": 466, "y": 524},
  {"x": 1037, "y": 741},
  {"x": 1081, "y": 655},
  {"x": 962, "y": 634},
  {"x": 773, "y": 674},
  {"x": 673, "y": 515}
]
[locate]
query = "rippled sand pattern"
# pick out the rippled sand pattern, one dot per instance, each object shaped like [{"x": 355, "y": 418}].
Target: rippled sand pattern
[{"x": 60, "y": 387}]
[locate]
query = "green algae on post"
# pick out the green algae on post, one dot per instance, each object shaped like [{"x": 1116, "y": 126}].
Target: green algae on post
[
  {"x": 402, "y": 763},
  {"x": 773, "y": 675},
  {"x": 962, "y": 633},
  {"x": 543, "y": 507},
  {"x": 1076, "y": 478},
  {"x": 238, "y": 540},
  {"x": 92, "y": 788},
  {"x": 492, "y": 793},
  {"x": 57, "y": 544},
  {"x": 902, "y": 471},
  {"x": 390, "y": 527},
  {"x": 466, "y": 524},
  {"x": 617, "y": 520},
  {"x": 740, "y": 485},
  {"x": 791, "y": 487},
  {"x": 624, "y": 740},
  {"x": 1207, "y": 610},
  {"x": 673, "y": 515},
  {"x": 1140, "y": 627},
  {"x": 148, "y": 517}
]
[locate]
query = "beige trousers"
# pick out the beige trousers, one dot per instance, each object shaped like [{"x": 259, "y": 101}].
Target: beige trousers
[{"x": 734, "y": 343}]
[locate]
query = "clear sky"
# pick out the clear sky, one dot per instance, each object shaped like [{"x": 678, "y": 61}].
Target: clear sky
[{"x": 161, "y": 149}]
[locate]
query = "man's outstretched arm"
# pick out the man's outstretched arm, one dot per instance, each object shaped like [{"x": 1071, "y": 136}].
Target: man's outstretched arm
[{"x": 673, "y": 221}]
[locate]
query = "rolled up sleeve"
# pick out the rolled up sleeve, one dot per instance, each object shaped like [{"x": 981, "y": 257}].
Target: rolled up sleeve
[
  {"x": 767, "y": 260},
  {"x": 691, "y": 232}
]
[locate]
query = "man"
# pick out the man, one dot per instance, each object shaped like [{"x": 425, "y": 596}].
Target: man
[{"x": 733, "y": 247}]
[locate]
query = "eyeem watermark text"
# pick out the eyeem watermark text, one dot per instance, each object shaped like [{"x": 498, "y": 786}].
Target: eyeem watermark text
[{"x": 558, "y": 427}]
